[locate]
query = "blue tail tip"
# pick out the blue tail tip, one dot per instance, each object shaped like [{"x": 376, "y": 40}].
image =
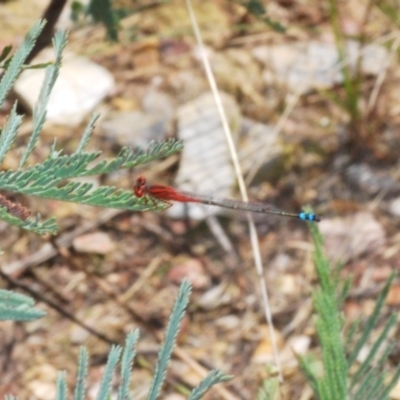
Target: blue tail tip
[{"x": 309, "y": 217}]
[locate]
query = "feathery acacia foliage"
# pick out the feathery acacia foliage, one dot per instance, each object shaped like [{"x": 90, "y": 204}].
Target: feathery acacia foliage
[
  {"x": 128, "y": 355},
  {"x": 14, "y": 66},
  {"x": 342, "y": 377},
  {"x": 50, "y": 179},
  {"x": 17, "y": 307}
]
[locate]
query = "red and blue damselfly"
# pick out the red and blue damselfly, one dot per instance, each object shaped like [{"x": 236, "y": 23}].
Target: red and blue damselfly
[{"x": 168, "y": 194}]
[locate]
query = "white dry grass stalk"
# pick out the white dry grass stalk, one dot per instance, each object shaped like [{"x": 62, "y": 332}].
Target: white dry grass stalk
[
  {"x": 382, "y": 73},
  {"x": 242, "y": 186}
]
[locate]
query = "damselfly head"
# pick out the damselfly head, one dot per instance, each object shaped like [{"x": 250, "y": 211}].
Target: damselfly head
[{"x": 140, "y": 187}]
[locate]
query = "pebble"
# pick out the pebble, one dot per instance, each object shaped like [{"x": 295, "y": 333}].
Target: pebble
[
  {"x": 371, "y": 181},
  {"x": 190, "y": 269},
  {"x": 394, "y": 207},
  {"x": 80, "y": 87},
  {"x": 98, "y": 243},
  {"x": 215, "y": 297}
]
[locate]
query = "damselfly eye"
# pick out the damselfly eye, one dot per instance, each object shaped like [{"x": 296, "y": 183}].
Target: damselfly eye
[{"x": 140, "y": 186}]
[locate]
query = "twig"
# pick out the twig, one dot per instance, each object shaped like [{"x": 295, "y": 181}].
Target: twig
[
  {"x": 39, "y": 297},
  {"x": 51, "y": 15}
]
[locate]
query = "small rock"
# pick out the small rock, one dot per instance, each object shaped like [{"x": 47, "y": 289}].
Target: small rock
[
  {"x": 79, "y": 335},
  {"x": 393, "y": 298},
  {"x": 174, "y": 396},
  {"x": 98, "y": 243},
  {"x": 215, "y": 297},
  {"x": 42, "y": 386},
  {"x": 264, "y": 353},
  {"x": 294, "y": 347},
  {"x": 352, "y": 310},
  {"x": 371, "y": 181},
  {"x": 135, "y": 128},
  {"x": 80, "y": 87},
  {"x": 394, "y": 207},
  {"x": 281, "y": 263},
  {"x": 287, "y": 284},
  {"x": 395, "y": 392},
  {"x": 228, "y": 322},
  {"x": 300, "y": 344},
  {"x": 191, "y": 269},
  {"x": 364, "y": 353},
  {"x": 42, "y": 390},
  {"x": 382, "y": 273}
]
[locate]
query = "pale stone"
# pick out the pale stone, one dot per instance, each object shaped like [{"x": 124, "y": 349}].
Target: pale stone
[{"x": 80, "y": 87}]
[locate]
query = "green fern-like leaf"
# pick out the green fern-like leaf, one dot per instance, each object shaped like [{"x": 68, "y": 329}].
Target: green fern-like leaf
[
  {"x": 390, "y": 385},
  {"x": 359, "y": 376},
  {"x": 31, "y": 224},
  {"x": 368, "y": 382},
  {"x": 333, "y": 385},
  {"x": 17, "y": 307},
  {"x": 39, "y": 112},
  {"x": 210, "y": 380},
  {"x": 55, "y": 169},
  {"x": 269, "y": 389},
  {"x": 105, "y": 385},
  {"x": 45, "y": 180},
  {"x": 53, "y": 178},
  {"x": 87, "y": 134},
  {"x": 16, "y": 64},
  {"x": 81, "y": 375},
  {"x": 170, "y": 337},
  {"x": 61, "y": 388},
  {"x": 10, "y": 397},
  {"x": 20, "y": 303},
  {"x": 126, "y": 364},
  {"x": 9, "y": 132},
  {"x": 371, "y": 322}
]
